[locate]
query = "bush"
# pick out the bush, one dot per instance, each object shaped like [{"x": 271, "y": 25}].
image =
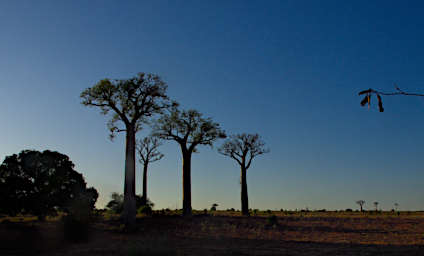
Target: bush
[
  {"x": 145, "y": 209},
  {"x": 348, "y": 210},
  {"x": 268, "y": 211}
]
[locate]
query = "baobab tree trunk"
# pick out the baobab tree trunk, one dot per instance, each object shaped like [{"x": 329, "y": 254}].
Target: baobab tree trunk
[
  {"x": 186, "y": 183},
  {"x": 144, "y": 199},
  {"x": 244, "y": 197},
  {"x": 129, "y": 212}
]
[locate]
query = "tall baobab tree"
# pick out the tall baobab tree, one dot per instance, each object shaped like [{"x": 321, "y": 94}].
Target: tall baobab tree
[
  {"x": 376, "y": 206},
  {"x": 132, "y": 102},
  {"x": 189, "y": 129},
  {"x": 243, "y": 148},
  {"x": 148, "y": 152},
  {"x": 361, "y": 204}
]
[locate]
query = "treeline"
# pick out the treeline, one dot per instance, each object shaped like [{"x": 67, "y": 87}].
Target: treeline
[
  {"x": 142, "y": 100},
  {"x": 43, "y": 183}
]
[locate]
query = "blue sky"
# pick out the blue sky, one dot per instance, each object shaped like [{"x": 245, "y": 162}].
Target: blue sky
[{"x": 288, "y": 70}]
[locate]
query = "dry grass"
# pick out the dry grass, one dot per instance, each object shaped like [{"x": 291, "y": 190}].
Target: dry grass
[{"x": 227, "y": 233}]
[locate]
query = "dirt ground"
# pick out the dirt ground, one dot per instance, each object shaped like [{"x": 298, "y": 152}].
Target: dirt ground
[{"x": 225, "y": 234}]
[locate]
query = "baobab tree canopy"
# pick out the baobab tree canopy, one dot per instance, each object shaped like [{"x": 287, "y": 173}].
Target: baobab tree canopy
[
  {"x": 148, "y": 149},
  {"x": 243, "y": 148},
  {"x": 131, "y": 100},
  {"x": 188, "y": 128}
]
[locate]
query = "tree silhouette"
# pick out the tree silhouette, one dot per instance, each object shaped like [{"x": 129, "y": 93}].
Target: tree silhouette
[
  {"x": 213, "y": 207},
  {"x": 360, "y": 203},
  {"x": 243, "y": 148},
  {"x": 396, "y": 206},
  {"x": 42, "y": 183},
  {"x": 148, "y": 151},
  {"x": 189, "y": 129},
  {"x": 132, "y": 101},
  {"x": 368, "y": 95},
  {"x": 376, "y": 206}
]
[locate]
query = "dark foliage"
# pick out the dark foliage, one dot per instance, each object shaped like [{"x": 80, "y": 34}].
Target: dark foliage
[
  {"x": 116, "y": 204},
  {"x": 41, "y": 183}
]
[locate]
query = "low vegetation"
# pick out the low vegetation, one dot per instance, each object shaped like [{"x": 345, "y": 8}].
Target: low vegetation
[{"x": 165, "y": 232}]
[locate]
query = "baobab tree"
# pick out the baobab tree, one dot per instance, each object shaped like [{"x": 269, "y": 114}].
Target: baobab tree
[
  {"x": 148, "y": 152},
  {"x": 396, "y": 206},
  {"x": 131, "y": 102},
  {"x": 376, "y": 206},
  {"x": 360, "y": 203},
  {"x": 243, "y": 148},
  {"x": 189, "y": 129}
]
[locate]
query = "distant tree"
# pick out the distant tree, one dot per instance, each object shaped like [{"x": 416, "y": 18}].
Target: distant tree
[
  {"x": 396, "y": 206},
  {"x": 361, "y": 204},
  {"x": 376, "y": 206},
  {"x": 148, "y": 152},
  {"x": 368, "y": 95},
  {"x": 213, "y": 208},
  {"x": 189, "y": 129},
  {"x": 41, "y": 183},
  {"x": 243, "y": 148},
  {"x": 132, "y": 101}
]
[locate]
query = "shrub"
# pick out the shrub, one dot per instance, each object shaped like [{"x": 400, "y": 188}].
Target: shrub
[
  {"x": 255, "y": 212},
  {"x": 268, "y": 211},
  {"x": 348, "y": 210},
  {"x": 145, "y": 209}
]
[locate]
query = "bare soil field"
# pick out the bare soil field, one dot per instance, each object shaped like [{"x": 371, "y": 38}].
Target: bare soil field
[{"x": 226, "y": 233}]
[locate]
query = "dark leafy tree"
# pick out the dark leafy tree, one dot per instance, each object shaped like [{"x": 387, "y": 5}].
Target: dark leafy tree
[
  {"x": 132, "y": 102},
  {"x": 368, "y": 95},
  {"x": 243, "y": 148},
  {"x": 41, "y": 183},
  {"x": 148, "y": 152},
  {"x": 360, "y": 203},
  {"x": 189, "y": 129}
]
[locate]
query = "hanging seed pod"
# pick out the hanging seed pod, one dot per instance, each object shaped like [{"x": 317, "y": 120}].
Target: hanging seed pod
[
  {"x": 369, "y": 100},
  {"x": 364, "y": 101},
  {"x": 380, "y": 103}
]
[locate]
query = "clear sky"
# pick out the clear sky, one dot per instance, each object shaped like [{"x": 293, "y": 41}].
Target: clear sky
[{"x": 288, "y": 70}]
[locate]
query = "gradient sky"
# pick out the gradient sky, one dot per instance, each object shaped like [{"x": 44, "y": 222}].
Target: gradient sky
[{"x": 288, "y": 70}]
